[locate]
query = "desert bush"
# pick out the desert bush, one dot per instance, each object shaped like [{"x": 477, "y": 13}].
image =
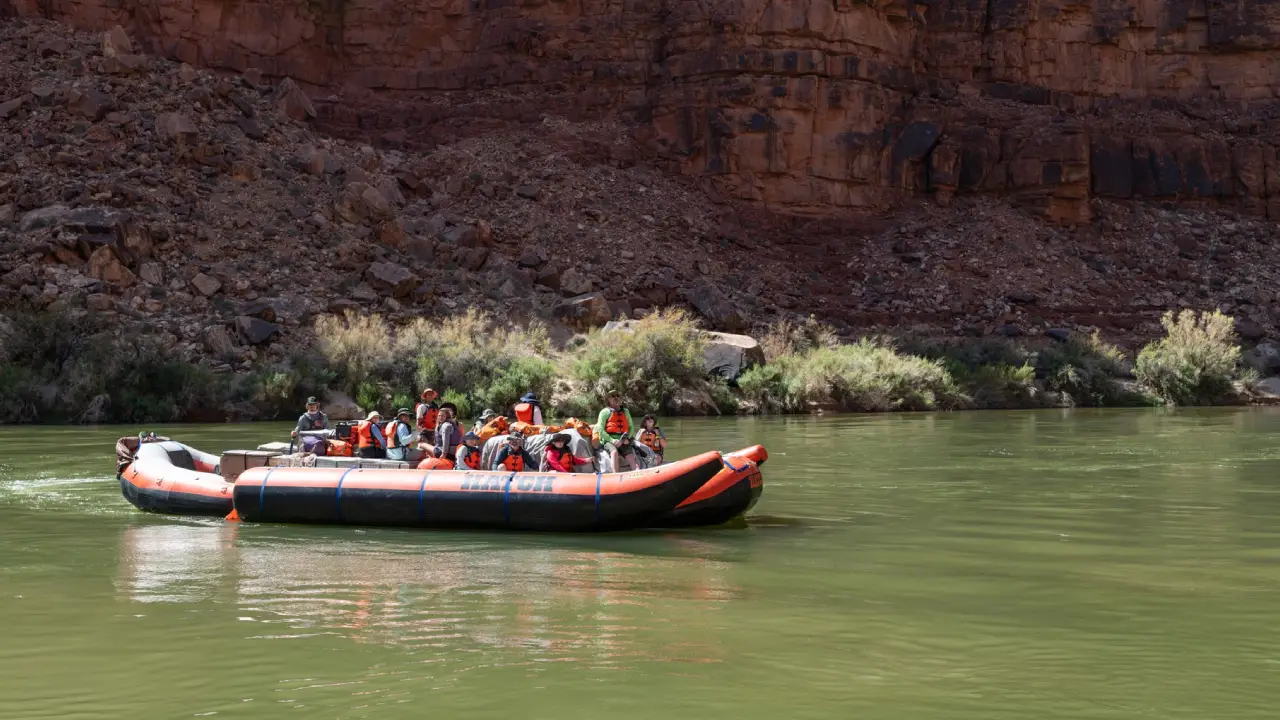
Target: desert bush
[
  {"x": 355, "y": 347},
  {"x": 865, "y": 376},
  {"x": 71, "y": 367},
  {"x": 787, "y": 337},
  {"x": 487, "y": 363},
  {"x": 658, "y": 355},
  {"x": 1195, "y": 363},
  {"x": 1087, "y": 372}
]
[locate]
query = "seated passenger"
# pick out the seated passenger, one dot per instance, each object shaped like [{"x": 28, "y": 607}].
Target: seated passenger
[
  {"x": 468, "y": 453},
  {"x": 614, "y": 419},
  {"x": 485, "y": 417},
  {"x": 312, "y": 419},
  {"x": 623, "y": 453},
  {"x": 400, "y": 435},
  {"x": 559, "y": 457},
  {"x": 651, "y": 436},
  {"x": 370, "y": 442},
  {"x": 448, "y": 435},
  {"x": 513, "y": 457}
]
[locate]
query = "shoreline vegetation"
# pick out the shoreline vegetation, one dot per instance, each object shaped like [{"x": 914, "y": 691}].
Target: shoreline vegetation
[{"x": 76, "y": 368}]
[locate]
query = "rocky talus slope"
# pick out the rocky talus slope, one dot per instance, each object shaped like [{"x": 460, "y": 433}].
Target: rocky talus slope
[{"x": 209, "y": 207}]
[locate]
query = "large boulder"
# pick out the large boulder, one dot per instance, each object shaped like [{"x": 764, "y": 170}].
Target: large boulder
[
  {"x": 338, "y": 406},
  {"x": 256, "y": 331},
  {"x": 575, "y": 282},
  {"x": 729, "y": 355},
  {"x": 715, "y": 308},
  {"x": 1265, "y": 358},
  {"x": 359, "y": 202},
  {"x": 177, "y": 127},
  {"x": 584, "y": 311},
  {"x": 397, "y": 280},
  {"x": 290, "y": 100},
  {"x": 206, "y": 285},
  {"x": 105, "y": 265}
]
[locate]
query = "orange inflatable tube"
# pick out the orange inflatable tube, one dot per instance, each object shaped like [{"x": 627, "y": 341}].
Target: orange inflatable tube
[{"x": 706, "y": 489}]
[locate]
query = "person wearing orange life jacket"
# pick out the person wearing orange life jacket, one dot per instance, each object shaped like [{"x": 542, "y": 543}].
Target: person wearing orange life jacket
[
  {"x": 559, "y": 457},
  {"x": 400, "y": 436},
  {"x": 615, "y": 420},
  {"x": 468, "y": 454},
  {"x": 651, "y": 436},
  {"x": 529, "y": 410},
  {"x": 370, "y": 442},
  {"x": 428, "y": 413},
  {"x": 513, "y": 457}
]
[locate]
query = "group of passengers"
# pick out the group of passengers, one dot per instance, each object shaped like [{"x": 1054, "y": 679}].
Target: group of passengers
[{"x": 431, "y": 430}]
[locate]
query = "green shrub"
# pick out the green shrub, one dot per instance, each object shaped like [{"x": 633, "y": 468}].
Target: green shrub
[
  {"x": 355, "y": 347},
  {"x": 765, "y": 386},
  {"x": 522, "y": 375},
  {"x": 1195, "y": 363},
  {"x": 865, "y": 376},
  {"x": 785, "y": 338},
  {"x": 658, "y": 355},
  {"x": 471, "y": 355},
  {"x": 1000, "y": 386},
  {"x": 460, "y": 401},
  {"x": 1087, "y": 372}
]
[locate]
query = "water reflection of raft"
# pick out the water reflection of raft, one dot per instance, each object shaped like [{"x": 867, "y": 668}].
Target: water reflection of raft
[{"x": 707, "y": 489}]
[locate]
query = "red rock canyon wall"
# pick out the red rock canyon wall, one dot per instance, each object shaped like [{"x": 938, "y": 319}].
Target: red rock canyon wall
[{"x": 805, "y": 105}]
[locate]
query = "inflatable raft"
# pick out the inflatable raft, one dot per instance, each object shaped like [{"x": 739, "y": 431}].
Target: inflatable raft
[{"x": 707, "y": 489}]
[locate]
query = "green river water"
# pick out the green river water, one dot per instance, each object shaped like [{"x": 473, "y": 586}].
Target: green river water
[{"x": 968, "y": 566}]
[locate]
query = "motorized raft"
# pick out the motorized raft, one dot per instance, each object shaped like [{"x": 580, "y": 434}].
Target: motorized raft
[{"x": 266, "y": 486}]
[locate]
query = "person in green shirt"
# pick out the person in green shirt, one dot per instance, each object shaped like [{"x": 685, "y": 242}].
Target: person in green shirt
[{"x": 614, "y": 419}]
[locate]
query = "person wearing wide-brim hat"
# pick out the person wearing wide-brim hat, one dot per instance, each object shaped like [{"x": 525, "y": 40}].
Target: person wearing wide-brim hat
[
  {"x": 528, "y": 410},
  {"x": 427, "y": 414},
  {"x": 312, "y": 419},
  {"x": 558, "y": 455},
  {"x": 370, "y": 440},
  {"x": 400, "y": 435}
]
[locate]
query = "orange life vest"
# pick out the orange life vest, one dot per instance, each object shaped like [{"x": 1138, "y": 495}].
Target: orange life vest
[
  {"x": 496, "y": 426},
  {"x": 427, "y": 419},
  {"x": 393, "y": 434},
  {"x": 617, "y": 422},
  {"x": 650, "y": 438},
  {"x": 434, "y": 463},
  {"x": 514, "y": 462},
  {"x": 524, "y": 413},
  {"x": 472, "y": 458},
  {"x": 338, "y": 448},
  {"x": 368, "y": 434}
]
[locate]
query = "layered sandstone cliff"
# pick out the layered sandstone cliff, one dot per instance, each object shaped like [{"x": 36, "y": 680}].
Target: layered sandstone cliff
[{"x": 805, "y": 105}]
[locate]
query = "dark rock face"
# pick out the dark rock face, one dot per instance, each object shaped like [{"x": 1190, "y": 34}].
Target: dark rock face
[{"x": 1048, "y": 103}]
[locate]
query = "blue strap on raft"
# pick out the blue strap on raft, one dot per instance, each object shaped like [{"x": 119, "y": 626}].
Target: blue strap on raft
[
  {"x": 598, "y": 478},
  {"x": 262, "y": 492},
  {"x": 506, "y": 492},
  {"x": 422, "y": 492},
  {"x": 337, "y": 496}
]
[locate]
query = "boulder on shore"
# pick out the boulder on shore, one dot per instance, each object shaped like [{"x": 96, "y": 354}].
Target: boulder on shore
[
  {"x": 339, "y": 406},
  {"x": 729, "y": 355}
]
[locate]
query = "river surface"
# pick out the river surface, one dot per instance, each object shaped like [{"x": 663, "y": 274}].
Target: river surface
[{"x": 967, "y": 566}]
